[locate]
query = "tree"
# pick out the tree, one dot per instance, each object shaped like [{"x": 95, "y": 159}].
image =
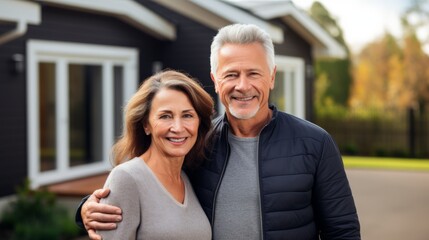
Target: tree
[
  {"x": 416, "y": 76},
  {"x": 335, "y": 72},
  {"x": 378, "y": 76},
  {"x": 389, "y": 76},
  {"x": 415, "y": 20},
  {"x": 326, "y": 21}
]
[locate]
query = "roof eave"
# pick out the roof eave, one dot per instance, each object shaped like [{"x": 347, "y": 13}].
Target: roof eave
[
  {"x": 217, "y": 14},
  {"x": 126, "y": 10},
  {"x": 324, "y": 45}
]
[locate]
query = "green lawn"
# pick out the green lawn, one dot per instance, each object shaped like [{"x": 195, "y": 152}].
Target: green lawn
[{"x": 386, "y": 163}]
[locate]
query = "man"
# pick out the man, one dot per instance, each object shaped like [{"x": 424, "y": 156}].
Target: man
[{"x": 269, "y": 175}]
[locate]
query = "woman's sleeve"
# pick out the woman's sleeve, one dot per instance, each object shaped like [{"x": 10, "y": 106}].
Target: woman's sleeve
[{"x": 124, "y": 194}]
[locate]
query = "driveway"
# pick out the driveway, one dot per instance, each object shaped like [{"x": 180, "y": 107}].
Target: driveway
[{"x": 392, "y": 205}]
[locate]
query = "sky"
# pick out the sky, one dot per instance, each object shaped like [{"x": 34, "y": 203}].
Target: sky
[{"x": 363, "y": 21}]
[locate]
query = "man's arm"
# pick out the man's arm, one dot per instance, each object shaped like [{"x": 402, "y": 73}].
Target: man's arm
[
  {"x": 335, "y": 208},
  {"x": 94, "y": 215},
  {"x": 78, "y": 217}
]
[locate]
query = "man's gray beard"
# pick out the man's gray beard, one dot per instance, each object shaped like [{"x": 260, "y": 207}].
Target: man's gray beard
[{"x": 243, "y": 116}]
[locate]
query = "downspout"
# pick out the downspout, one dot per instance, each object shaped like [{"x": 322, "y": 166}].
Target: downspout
[{"x": 21, "y": 29}]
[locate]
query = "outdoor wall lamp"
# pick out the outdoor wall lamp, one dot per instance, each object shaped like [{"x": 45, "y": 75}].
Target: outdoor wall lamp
[
  {"x": 157, "y": 67},
  {"x": 17, "y": 63}
]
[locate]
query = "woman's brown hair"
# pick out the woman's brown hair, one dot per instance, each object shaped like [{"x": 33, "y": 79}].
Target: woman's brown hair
[{"x": 134, "y": 142}]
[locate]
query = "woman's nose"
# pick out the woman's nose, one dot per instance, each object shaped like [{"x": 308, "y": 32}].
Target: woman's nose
[{"x": 177, "y": 125}]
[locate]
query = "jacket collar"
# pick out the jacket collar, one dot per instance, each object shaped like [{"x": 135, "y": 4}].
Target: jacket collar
[{"x": 223, "y": 121}]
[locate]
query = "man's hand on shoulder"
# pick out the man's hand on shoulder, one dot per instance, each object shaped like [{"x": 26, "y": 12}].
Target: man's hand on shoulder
[{"x": 98, "y": 216}]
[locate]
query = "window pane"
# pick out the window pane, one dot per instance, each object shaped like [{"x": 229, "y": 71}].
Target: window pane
[
  {"x": 118, "y": 74},
  {"x": 85, "y": 114},
  {"x": 47, "y": 117},
  {"x": 277, "y": 95}
]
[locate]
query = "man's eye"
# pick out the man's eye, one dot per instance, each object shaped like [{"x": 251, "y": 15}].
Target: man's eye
[
  {"x": 254, "y": 74},
  {"x": 229, "y": 76}
]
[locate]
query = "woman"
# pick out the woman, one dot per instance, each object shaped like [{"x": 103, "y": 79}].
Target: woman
[{"x": 166, "y": 125}]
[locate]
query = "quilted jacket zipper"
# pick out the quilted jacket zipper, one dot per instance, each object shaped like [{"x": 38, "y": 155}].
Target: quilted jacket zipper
[{"x": 259, "y": 180}]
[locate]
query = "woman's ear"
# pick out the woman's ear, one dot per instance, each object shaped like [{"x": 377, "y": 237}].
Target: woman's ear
[{"x": 146, "y": 129}]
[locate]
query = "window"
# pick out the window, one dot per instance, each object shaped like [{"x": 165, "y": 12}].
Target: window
[
  {"x": 288, "y": 93},
  {"x": 76, "y": 94}
]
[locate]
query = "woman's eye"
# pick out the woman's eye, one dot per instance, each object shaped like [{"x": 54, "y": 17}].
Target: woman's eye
[
  {"x": 188, "y": 116},
  {"x": 165, "y": 117}
]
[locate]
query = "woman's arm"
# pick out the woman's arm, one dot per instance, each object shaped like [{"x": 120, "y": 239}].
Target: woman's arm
[{"x": 124, "y": 194}]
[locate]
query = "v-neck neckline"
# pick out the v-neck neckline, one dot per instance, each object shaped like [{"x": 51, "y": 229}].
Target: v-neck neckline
[{"x": 164, "y": 189}]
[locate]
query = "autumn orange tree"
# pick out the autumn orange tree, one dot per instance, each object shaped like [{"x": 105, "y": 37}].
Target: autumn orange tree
[
  {"x": 416, "y": 61},
  {"x": 392, "y": 74},
  {"x": 378, "y": 76},
  {"x": 416, "y": 74},
  {"x": 388, "y": 75}
]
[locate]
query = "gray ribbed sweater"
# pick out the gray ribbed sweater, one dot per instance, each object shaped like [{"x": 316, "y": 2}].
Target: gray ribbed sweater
[{"x": 149, "y": 211}]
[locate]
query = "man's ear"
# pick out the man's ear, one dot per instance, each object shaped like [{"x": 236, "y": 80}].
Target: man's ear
[
  {"x": 214, "y": 81},
  {"x": 273, "y": 78}
]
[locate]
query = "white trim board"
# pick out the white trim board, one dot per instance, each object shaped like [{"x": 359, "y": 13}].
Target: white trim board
[{"x": 29, "y": 12}]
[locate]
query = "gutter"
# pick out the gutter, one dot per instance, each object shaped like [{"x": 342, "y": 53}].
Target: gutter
[
  {"x": 21, "y": 12},
  {"x": 20, "y": 30}
]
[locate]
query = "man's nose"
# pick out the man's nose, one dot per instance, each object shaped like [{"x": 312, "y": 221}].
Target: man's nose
[{"x": 243, "y": 83}]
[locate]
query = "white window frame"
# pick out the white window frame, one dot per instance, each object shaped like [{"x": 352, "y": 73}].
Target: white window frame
[
  {"x": 62, "y": 54},
  {"x": 295, "y": 65}
]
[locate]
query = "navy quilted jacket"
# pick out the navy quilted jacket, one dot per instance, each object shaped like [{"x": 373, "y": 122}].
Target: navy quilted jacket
[{"x": 304, "y": 190}]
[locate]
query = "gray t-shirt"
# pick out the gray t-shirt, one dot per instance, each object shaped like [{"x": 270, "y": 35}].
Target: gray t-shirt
[
  {"x": 237, "y": 212},
  {"x": 149, "y": 211}
]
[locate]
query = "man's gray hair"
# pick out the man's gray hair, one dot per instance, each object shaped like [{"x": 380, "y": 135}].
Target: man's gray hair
[{"x": 241, "y": 34}]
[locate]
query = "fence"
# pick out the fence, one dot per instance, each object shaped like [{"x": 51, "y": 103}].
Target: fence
[{"x": 404, "y": 135}]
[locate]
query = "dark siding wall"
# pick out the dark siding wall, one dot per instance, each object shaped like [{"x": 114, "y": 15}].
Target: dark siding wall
[
  {"x": 191, "y": 50},
  {"x": 74, "y": 26},
  {"x": 13, "y": 158},
  {"x": 295, "y": 46},
  {"x": 57, "y": 25}
]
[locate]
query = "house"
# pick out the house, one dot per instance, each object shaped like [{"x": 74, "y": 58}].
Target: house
[{"x": 67, "y": 67}]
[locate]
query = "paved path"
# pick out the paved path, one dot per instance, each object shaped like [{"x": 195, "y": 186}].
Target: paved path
[{"x": 392, "y": 205}]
